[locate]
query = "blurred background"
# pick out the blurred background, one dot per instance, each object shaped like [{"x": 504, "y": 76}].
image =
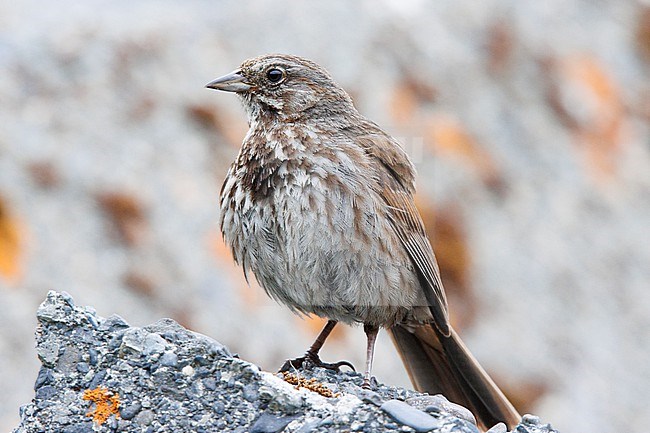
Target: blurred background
[{"x": 528, "y": 123}]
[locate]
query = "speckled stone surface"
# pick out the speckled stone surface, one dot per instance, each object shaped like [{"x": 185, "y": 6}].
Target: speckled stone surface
[{"x": 168, "y": 378}]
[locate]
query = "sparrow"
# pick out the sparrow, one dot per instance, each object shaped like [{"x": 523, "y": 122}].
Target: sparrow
[{"x": 319, "y": 206}]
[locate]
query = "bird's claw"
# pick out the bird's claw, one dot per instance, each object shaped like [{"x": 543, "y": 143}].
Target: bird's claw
[
  {"x": 311, "y": 360},
  {"x": 370, "y": 383}
]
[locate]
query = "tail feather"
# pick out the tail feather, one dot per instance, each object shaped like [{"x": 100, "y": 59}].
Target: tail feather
[{"x": 443, "y": 365}]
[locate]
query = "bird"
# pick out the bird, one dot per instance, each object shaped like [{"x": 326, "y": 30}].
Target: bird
[{"x": 319, "y": 206}]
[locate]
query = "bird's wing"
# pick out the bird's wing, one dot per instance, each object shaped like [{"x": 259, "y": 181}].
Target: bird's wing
[
  {"x": 406, "y": 222},
  {"x": 396, "y": 189}
]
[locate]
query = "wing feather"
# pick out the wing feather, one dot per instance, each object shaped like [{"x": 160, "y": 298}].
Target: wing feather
[
  {"x": 409, "y": 228},
  {"x": 396, "y": 177}
]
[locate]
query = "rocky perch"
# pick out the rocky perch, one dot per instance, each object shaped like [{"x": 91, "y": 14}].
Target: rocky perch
[{"x": 103, "y": 375}]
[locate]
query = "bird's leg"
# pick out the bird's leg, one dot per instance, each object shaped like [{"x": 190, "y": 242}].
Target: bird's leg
[
  {"x": 312, "y": 357},
  {"x": 371, "y": 334}
]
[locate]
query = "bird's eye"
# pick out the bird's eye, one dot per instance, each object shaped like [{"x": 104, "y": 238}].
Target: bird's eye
[{"x": 275, "y": 75}]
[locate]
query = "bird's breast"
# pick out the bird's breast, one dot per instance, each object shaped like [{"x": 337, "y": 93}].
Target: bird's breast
[{"x": 315, "y": 234}]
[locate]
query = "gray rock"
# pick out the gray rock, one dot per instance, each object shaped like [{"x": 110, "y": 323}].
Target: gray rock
[
  {"x": 154, "y": 344},
  {"x": 145, "y": 418},
  {"x": 309, "y": 426},
  {"x": 82, "y": 427},
  {"x": 48, "y": 351},
  {"x": 133, "y": 339},
  {"x": 170, "y": 379},
  {"x": 130, "y": 411},
  {"x": 410, "y": 416},
  {"x": 498, "y": 428},
  {"x": 68, "y": 359},
  {"x": 368, "y": 396},
  {"x": 97, "y": 379},
  {"x": 45, "y": 393},
  {"x": 439, "y": 403},
  {"x": 219, "y": 408},
  {"x": 250, "y": 392},
  {"x": 113, "y": 323},
  {"x": 93, "y": 356},
  {"x": 268, "y": 423},
  {"x": 169, "y": 359},
  {"x": 533, "y": 424},
  {"x": 44, "y": 377}
]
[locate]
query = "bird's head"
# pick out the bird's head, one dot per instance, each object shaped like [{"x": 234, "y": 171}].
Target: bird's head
[{"x": 284, "y": 86}]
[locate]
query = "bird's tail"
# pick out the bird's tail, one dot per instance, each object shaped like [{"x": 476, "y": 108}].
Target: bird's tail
[{"x": 444, "y": 365}]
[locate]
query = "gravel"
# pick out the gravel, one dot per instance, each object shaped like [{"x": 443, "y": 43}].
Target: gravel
[{"x": 102, "y": 374}]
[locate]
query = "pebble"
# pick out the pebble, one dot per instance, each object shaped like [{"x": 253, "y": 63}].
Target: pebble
[
  {"x": 134, "y": 339},
  {"x": 498, "y": 428},
  {"x": 114, "y": 323},
  {"x": 309, "y": 426},
  {"x": 130, "y": 411},
  {"x": 97, "y": 379},
  {"x": 145, "y": 418},
  {"x": 78, "y": 427},
  {"x": 203, "y": 371},
  {"x": 195, "y": 391},
  {"x": 371, "y": 397},
  {"x": 45, "y": 392},
  {"x": 410, "y": 416},
  {"x": 169, "y": 359},
  {"x": 83, "y": 367},
  {"x": 153, "y": 344},
  {"x": 219, "y": 408},
  {"x": 439, "y": 403},
  {"x": 531, "y": 420},
  {"x": 268, "y": 423},
  {"x": 52, "y": 310},
  {"x": 250, "y": 392},
  {"x": 210, "y": 383},
  {"x": 93, "y": 356},
  {"x": 45, "y": 377},
  {"x": 48, "y": 352}
]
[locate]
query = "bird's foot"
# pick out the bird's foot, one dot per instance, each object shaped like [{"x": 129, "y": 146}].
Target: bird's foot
[
  {"x": 311, "y": 360},
  {"x": 370, "y": 383}
]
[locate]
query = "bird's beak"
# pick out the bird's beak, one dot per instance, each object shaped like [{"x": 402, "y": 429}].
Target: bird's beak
[{"x": 233, "y": 82}]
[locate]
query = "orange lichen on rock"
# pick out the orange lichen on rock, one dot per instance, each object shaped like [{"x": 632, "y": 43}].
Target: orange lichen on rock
[
  {"x": 232, "y": 128},
  {"x": 127, "y": 214},
  {"x": 500, "y": 45},
  {"x": 448, "y": 137},
  {"x": 446, "y": 230},
  {"x": 11, "y": 244},
  {"x": 643, "y": 32},
  {"x": 587, "y": 100},
  {"x": 310, "y": 384},
  {"x": 409, "y": 97},
  {"x": 106, "y": 402}
]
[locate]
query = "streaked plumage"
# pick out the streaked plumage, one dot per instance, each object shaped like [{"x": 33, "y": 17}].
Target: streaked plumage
[{"x": 319, "y": 206}]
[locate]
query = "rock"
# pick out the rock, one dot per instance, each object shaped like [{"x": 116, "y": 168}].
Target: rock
[
  {"x": 498, "y": 428},
  {"x": 406, "y": 414},
  {"x": 268, "y": 423},
  {"x": 438, "y": 403},
  {"x": 44, "y": 377},
  {"x": 532, "y": 424},
  {"x": 104, "y": 375},
  {"x": 130, "y": 411}
]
